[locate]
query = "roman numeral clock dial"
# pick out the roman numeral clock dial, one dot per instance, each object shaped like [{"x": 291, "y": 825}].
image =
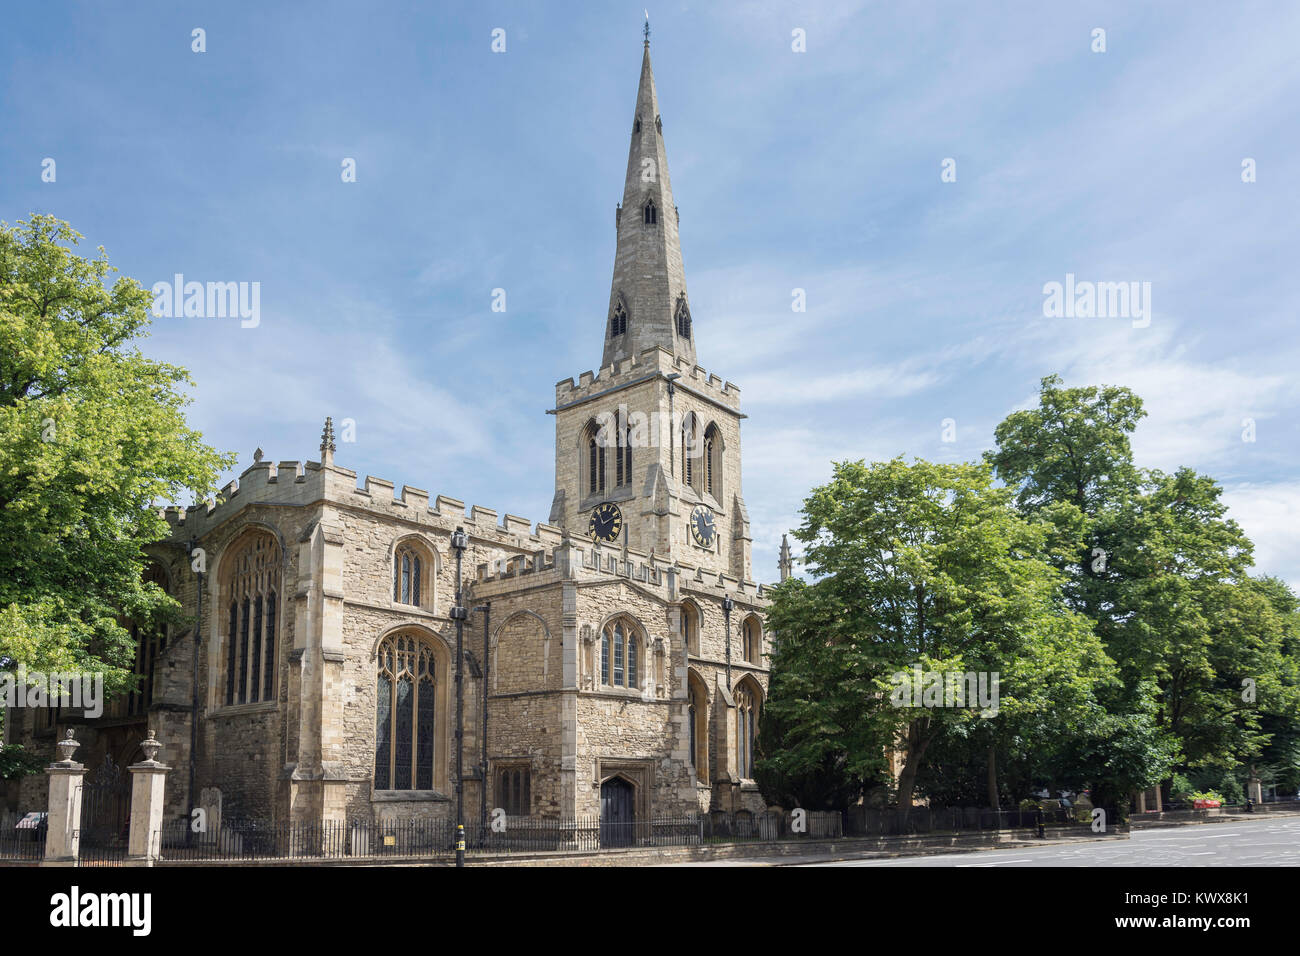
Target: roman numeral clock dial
[
  {"x": 606, "y": 522},
  {"x": 702, "y": 526}
]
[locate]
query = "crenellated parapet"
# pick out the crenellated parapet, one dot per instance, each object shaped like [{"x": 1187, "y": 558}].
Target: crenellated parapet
[
  {"x": 652, "y": 362},
  {"x": 300, "y": 484},
  {"x": 585, "y": 561}
]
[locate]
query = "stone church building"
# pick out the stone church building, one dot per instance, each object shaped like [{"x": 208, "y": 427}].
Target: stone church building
[{"x": 614, "y": 655}]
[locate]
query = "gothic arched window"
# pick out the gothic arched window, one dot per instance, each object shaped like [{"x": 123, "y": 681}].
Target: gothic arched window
[
  {"x": 593, "y": 445},
  {"x": 683, "y": 318},
  {"x": 406, "y": 575},
  {"x": 252, "y": 610},
  {"x": 618, "y": 319},
  {"x": 711, "y": 461},
  {"x": 746, "y": 729},
  {"x": 406, "y": 705},
  {"x": 691, "y": 452},
  {"x": 618, "y": 654},
  {"x": 623, "y": 452},
  {"x": 651, "y": 213}
]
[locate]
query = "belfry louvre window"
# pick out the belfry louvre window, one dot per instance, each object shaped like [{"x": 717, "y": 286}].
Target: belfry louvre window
[
  {"x": 595, "y": 454},
  {"x": 252, "y": 612},
  {"x": 514, "y": 791},
  {"x": 406, "y": 576},
  {"x": 683, "y": 318},
  {"x": 623, "y": 469},
  {"x": 618, "y": 320},
  {"x": 690, "y": 453},
  {"x": 618, "y": 654},
  {"x": 651, "y": 213},
  {"x": 405, "y": 709}
]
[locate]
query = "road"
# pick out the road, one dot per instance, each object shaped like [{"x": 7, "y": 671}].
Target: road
[{"x": 1262, "y": 842}]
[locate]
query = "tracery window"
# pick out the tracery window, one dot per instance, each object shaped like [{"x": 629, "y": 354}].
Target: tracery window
[
  {"x": 252, "y": 612},
  {"x": 683, "y": 318},
  {"x": 405, "y": 714},
  {"x": 651, "y": 213},
  {"x": 618, "y": 654},
  {"x": 407, "y": 572}
]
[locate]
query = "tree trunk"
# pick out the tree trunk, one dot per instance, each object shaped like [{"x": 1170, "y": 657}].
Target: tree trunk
[
  {"x": 993, "y": 778},
  {"x": 917, "y": 742}
]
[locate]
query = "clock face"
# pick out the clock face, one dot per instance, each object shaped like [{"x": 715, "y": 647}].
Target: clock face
[
  {"x": 606, "y": 522},
  {"x": 702, "y": 528}
]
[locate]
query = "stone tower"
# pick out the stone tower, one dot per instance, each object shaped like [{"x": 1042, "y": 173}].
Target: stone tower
[{"x": 647, "y": 452}]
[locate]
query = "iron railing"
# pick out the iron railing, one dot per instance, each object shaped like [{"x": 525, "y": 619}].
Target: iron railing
[
  {"x": 22, "y": 837},
  {"x": 244, "y": 840}
]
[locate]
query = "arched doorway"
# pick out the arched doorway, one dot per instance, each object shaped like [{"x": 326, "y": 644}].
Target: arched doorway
[{"x": 617, "y": 812}]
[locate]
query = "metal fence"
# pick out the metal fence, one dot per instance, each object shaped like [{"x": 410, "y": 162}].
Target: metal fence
[
  {"x": 22, "y": 837},
  {"x": 251, "y": 840},
  {"x": 237, "y": 841}
]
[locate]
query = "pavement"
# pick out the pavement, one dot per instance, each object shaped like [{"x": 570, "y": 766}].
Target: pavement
[{"x": 1266, "y": 841}]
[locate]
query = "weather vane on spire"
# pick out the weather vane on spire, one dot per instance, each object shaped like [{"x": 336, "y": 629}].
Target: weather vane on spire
[{"x": 647, "y": 28}]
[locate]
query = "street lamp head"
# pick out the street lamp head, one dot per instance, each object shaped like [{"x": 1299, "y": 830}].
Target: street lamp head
[
  {"x": 459, "y": 539},
  {"x": 727, "y": 605}
]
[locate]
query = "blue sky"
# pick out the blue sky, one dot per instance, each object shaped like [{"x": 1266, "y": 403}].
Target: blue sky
[{"x": 817, "y": 170}]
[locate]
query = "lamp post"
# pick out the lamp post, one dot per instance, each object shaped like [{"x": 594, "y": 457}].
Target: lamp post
[
  {"x": 483, "y": 760},
  {"x": 459, "y": 542},
  {"x": 727, "y": 605}
]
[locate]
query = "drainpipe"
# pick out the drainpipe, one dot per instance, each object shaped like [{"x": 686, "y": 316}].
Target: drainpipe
[{"x": 194, "y": 689}]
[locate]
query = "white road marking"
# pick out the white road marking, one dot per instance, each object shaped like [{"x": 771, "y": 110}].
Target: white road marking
[{"x": 997, "y": 862}]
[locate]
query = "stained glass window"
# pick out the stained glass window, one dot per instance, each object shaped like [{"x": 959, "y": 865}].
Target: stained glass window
[
  {"x": 618, "y": 654},
  {"x": 406, "y": 723}
]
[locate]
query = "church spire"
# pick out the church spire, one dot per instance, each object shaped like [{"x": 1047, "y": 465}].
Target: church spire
[{"x": 648, "y": 305}]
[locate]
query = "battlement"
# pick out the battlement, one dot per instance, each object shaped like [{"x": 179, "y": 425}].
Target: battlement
[
  {"x": 657, "y": 361},
  {"x": 582, "y": 560},
  {"x": 297, "y": 484}
]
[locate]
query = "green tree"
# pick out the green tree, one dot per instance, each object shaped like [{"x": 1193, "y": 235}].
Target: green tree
[
  {"x": 92, "y": 437},
  {"x": 918, "y": 565},
  {"x": 1154, "y": 562}
]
